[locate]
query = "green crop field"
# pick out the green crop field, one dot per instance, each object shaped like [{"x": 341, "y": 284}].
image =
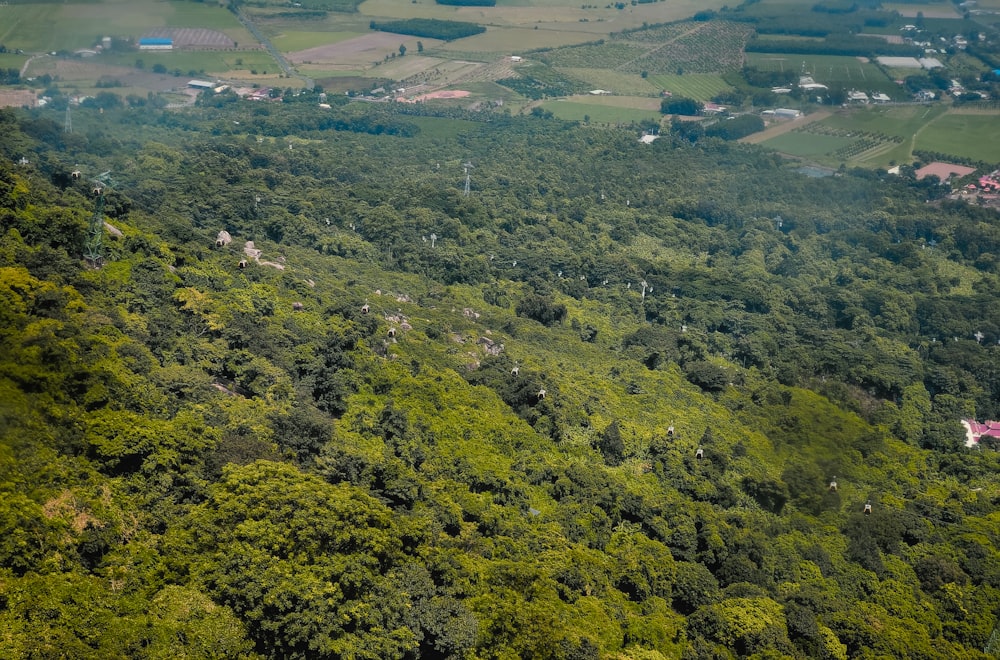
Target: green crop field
[
  {"x": 808, "y": 145},
  {"x": 619, "y": 83},
  {"x": 12, "y": 61},
  {"x": 698, "y": 86},
  {"x": 831, "y": 70},
  {"x": 599, "y": 113},
  {"x": 903, "y": 121},
  {"x": 975, "y": 136}
]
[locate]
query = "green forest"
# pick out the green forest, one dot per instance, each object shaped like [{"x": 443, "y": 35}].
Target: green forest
[{"x": 384, "y": 381}]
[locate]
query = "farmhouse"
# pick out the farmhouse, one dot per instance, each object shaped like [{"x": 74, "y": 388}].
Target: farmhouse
[
  {"x": 201, "y": 84},
  {"x": 943, "y": 171},
  {"x": 854, "y": 96},
  {"x": 879, "y": 97},
  {"x": 156, "y": 43}
]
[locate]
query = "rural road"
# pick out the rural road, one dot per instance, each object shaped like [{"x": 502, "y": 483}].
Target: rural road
[{"x": 278, "y": 57}]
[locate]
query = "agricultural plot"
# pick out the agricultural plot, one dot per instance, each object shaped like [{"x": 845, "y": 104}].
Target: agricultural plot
[
  {"x": 599, "y": 113},
  {"x": 709, "y": 47},
  {"x": 975, "y": 136},
  {"x": 698, "y": 86},
  {"x": 608, "y": 55},
  {"x": 832, "y": 145},
  {"x": 12, "y": 61},
  {"x": 903, "y": 121},
  {"x": 294, "y": 41},
  {"x": 808, "y": 145},
  {"x": 836, "y": 72},
  {"x": 515, "y": 40},
  {"x": 614, "y": 81}
]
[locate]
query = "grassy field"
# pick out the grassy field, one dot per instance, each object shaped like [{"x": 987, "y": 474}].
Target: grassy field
[
  {"x": 808, "y": 145},
  {"x": 619, "y": 83},
  {"x": 698, "y": 86},
  {"x": 292, "y": 41},
  {"x": 975, "y": 136},
  {"x": 12, "y": 61},
  {"x": 221, "y": 63},
  {"x": 598, "y": 113},
  {"x": 831, "y": 70}
]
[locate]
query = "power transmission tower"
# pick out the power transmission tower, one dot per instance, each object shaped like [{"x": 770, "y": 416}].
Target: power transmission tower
[
  {"x": 68, "y": 127},
  {"x": 468, "y": 179},
  {"x": 93, "y": 250}
]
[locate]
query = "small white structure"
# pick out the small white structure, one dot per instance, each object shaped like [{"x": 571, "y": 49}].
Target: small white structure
[
  {"x": 787, "y": 113},
  {"x": 649, "y": 139},
  {"x": 516, "y": 58},
  {"x": 879, "y": 97},
  {"x": 600, "y": 92},
  {"x": 201, "y": 84},
  {"x": 899, "y": 62},
  {"x": 781, "y": 90},
  {"x": 855, "y": 96}
]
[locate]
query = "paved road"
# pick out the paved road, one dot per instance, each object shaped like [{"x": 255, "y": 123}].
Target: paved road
[{"x": 278, "y": 57}]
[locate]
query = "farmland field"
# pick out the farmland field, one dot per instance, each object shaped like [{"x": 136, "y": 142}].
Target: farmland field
[
  {"x": 797, "y": 143},
  {"x": 975, "y": 136},
  {"x": 513, "y": 40},
  {"x": 698, "y": 86},
  {"x": 903, "y": 121},
  {"x": 12, "y": 61},
  {"x": 831, "y": 70},
  {"x": 619, "y": 83},
  {"x": 292, "y": 41},
  {"x": 599, "y": 112}
]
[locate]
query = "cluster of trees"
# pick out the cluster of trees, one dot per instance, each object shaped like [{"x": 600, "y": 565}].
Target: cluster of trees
[
  {"x": 426, "y": 424},
  {"x": 467, "y": 3},
  {"x": 431, "y": 28}
]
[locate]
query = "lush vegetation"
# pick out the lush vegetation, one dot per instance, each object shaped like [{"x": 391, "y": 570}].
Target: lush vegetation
[
  {"x": 592, "y": 408},
  {"x": 431, "y": 28}
]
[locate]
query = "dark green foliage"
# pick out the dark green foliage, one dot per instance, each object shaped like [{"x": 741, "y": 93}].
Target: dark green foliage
[
  {"x": 680, "y": 106},
  {"x": 368, "y": 444},
  {"x": 542, "y": 308},
  {"x": 431, "y": 28}
]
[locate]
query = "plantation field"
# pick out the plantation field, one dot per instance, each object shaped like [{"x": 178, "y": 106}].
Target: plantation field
[
  {"x": 220, "y": 63},
  {"x": 598, "y": 113},
  {"x": 698, "y": 86},
  {"x": 831, "y": 70}
]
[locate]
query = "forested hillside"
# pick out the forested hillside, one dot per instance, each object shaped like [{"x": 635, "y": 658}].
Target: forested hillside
[{"x": 618, "y": 401}]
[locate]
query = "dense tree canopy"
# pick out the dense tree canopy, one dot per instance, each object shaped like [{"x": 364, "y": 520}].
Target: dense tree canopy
[{"x": 621, "y": 400}]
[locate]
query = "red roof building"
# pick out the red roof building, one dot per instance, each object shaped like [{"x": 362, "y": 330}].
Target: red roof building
[{"x": 975, "y": 430}]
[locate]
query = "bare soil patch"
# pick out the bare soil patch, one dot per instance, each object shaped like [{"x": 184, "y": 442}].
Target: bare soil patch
[
  {"x": 17, "y": 98},
  {"x": 365, "y": 48},
  {"x": 440, "y": 94}
]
